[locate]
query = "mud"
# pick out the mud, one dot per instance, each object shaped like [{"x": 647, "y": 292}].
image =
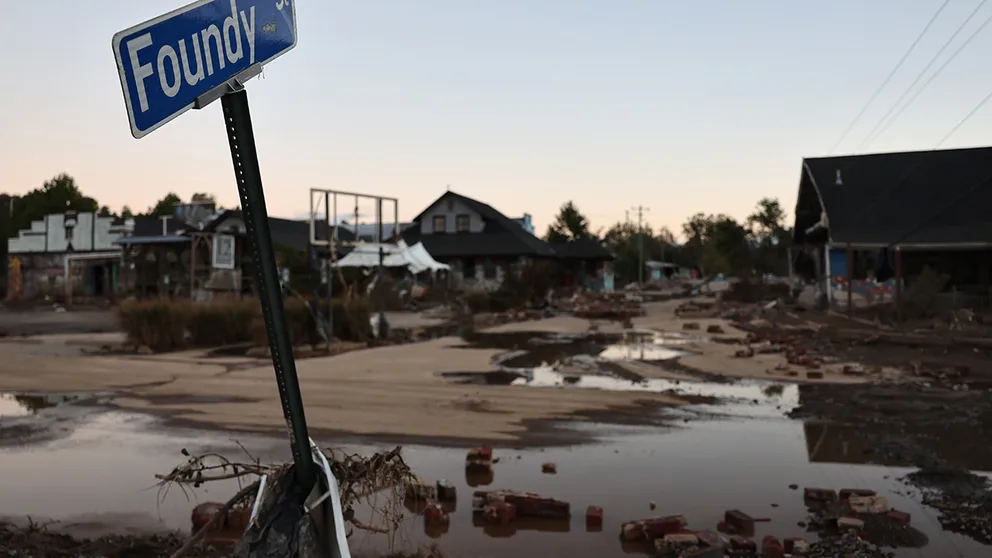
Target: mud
[
  {"x": 46, "y": 320},
  {"x": 699, "y": 469}
]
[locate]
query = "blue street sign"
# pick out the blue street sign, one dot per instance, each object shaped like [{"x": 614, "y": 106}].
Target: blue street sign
[{"x": 167, "y": 63}]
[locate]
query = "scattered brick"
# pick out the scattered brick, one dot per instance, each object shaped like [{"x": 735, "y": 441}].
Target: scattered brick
[
  {"x": 594, "y": 516},
  {"x": 500, "y": 512},
  {"x": 846, "y": 493},
  {"x": 446, "y": 492},
  {"x": 899, "y": 516},
  {"x": 739, "y": 522},
  {"x": 771, "y": 547},
  {"x": 434, "y": 513},
  {"x": 819, "y": 495}
]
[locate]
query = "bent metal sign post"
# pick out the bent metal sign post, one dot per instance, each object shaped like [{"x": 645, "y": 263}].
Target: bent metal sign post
[{"x": 187, "y": 59}]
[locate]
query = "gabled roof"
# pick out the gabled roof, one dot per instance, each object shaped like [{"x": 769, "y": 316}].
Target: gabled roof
[
  {"x": 502, "y": 236},
  {"x": 919, "y": 197},
  {"x": 291, "y": 233},
  {"x": 582, "y": 249}
]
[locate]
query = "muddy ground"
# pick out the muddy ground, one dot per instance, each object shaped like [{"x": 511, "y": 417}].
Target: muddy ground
[{"x": 919, "y": 411}]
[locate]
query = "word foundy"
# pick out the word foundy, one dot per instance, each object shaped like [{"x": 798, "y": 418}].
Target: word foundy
[{"x": 205, "y": 52}]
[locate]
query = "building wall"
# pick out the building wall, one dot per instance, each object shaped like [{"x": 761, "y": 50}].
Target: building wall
[
  {"x": 91, "y": 234},
  {"x": 450, "y": 208}
]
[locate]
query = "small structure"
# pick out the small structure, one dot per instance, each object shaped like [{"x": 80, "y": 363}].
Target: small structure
[
  {"x": 477, "y": 241},
  {"x": 900, "y": 211},
  {"x": 66, "y": 253},
  {"x": 664, "y": 270},
  {"x": 585, "y": 263}
]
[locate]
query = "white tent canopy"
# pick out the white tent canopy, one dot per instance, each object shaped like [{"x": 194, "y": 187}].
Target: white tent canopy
[{"x": 415, "y": 258}]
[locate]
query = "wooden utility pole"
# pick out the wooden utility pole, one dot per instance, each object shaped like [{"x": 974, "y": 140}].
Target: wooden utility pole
[{"x": 640, "y": 241}]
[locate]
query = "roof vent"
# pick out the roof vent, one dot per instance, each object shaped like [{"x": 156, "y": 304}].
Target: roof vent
[{"x": 839, "y": 181}]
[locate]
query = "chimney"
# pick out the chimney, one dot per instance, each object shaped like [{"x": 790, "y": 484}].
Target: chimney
[
  {"x": 839, "y": 181},
  {"x": 165, "y": 225}
]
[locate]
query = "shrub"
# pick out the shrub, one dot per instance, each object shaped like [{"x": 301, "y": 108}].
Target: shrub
[
  {"x": 922, "y": 297},
  {"x": 165, "y": 325},
  {"x": 351, "y": 322},
  {"x": 219, "y": 324},
  {"x": 159, "y": 324}
]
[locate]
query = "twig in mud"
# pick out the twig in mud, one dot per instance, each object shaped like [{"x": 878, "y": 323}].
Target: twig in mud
[
  {"x": 242, "y": 495},
  {"x": 359, "y": 478}
]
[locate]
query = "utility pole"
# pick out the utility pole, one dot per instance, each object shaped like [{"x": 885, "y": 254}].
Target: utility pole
[{"x": 640, "y": 241}]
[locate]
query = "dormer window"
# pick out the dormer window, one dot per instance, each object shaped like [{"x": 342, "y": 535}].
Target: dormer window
[
  {"x": 440, "y": 224},
  {"x": 462, "y": 223}
]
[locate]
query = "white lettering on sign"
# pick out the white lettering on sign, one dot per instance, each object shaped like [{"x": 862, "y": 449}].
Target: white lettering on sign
[{"x": 175, "y": 69}]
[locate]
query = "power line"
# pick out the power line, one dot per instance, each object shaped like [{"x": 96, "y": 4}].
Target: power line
[
  {"x": 965, "y": 119},
  {"x": 912, "y": 170},
  {"x": 890, "y": 76},
  {"x": 932, "y": 77},
  {"x": 870, "y": 137}
]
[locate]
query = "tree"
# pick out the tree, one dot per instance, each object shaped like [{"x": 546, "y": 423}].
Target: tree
[
  {"x": 105, "y": 212},
  {"x": 126, "y": 212},
  {"x": 203, "y": 197},
  {"x": 770, "y": 237},
  {"x": 726, "y": 249},
  {"x": 165, "y": 206},
  {"x": 569, "y": 225},
  {"x": 717, "y": 244},
  {"x": 55, "y": 196},
  {"x": 767, "y": 219}
]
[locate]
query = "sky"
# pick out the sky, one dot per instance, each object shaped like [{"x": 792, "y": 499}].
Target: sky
[{"x": 681, "y": 107}]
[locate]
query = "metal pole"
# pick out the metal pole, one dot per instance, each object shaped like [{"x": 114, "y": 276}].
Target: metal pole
[
  {"x": 241, "y": 137},
  {"x": 640, "y": 247},
  {"x": 383, "y": 327},
  {"x": 332, "y": 221}
]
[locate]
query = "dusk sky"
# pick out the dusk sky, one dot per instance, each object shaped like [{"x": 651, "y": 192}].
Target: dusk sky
[{"x": 689, "y": 106}]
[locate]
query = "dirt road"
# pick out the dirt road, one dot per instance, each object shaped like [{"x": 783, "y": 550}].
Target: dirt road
[{"x": 395, "y": 391}]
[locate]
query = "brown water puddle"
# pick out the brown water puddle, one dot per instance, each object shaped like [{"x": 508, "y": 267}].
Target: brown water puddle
[{"x": 106, "y": 466}]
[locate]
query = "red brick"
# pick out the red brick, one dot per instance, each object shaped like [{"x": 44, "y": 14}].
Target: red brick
[
  {"x": 657, "y": 527},
  {"x": 899, "y": 516},
  {"x": 791, "y": 543},
  {"x": 500, "y": 512},
  {"x": 846, "y": 493},
  {"x": 715, "y": 540},
  {"x": 533, "y": 506},
  {"x": 594, "y": 516},
  {"x": 632, "y": 531},
  {"x": 446, "y": 491},
  {"x": 819, "y": 495},
  {"x": 771, "y": 547},
  {"x": 203, "y": 513},
  {"x": 435, "y": 513},
  {"x": 739, "y": 522},
  {"x": 743, "y": 544},
  {"x": 238, "y": 519}
]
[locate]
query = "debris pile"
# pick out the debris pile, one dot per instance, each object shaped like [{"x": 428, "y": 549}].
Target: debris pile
[
  {"x": 963, "y": 500},
  {"x": 848, "y": 545},
  {"x": 616, "y": 306},
  {"x": 359, "y": 479}
]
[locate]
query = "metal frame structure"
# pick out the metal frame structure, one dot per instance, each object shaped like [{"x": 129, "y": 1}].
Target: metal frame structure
[{"x": 326, "y": 201}]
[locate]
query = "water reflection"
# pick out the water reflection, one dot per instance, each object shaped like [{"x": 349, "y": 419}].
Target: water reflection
[
  {"x": 24, "y": 404},
  {"x": 699, "y": 471}
]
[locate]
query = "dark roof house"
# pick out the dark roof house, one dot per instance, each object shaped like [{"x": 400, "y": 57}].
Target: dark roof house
[
  {"x": 587, "y": 249},
  {"x": 290, "y": 233},
  {"x": 456, "y": 226},
  {"x": 922, "y": 199}
]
